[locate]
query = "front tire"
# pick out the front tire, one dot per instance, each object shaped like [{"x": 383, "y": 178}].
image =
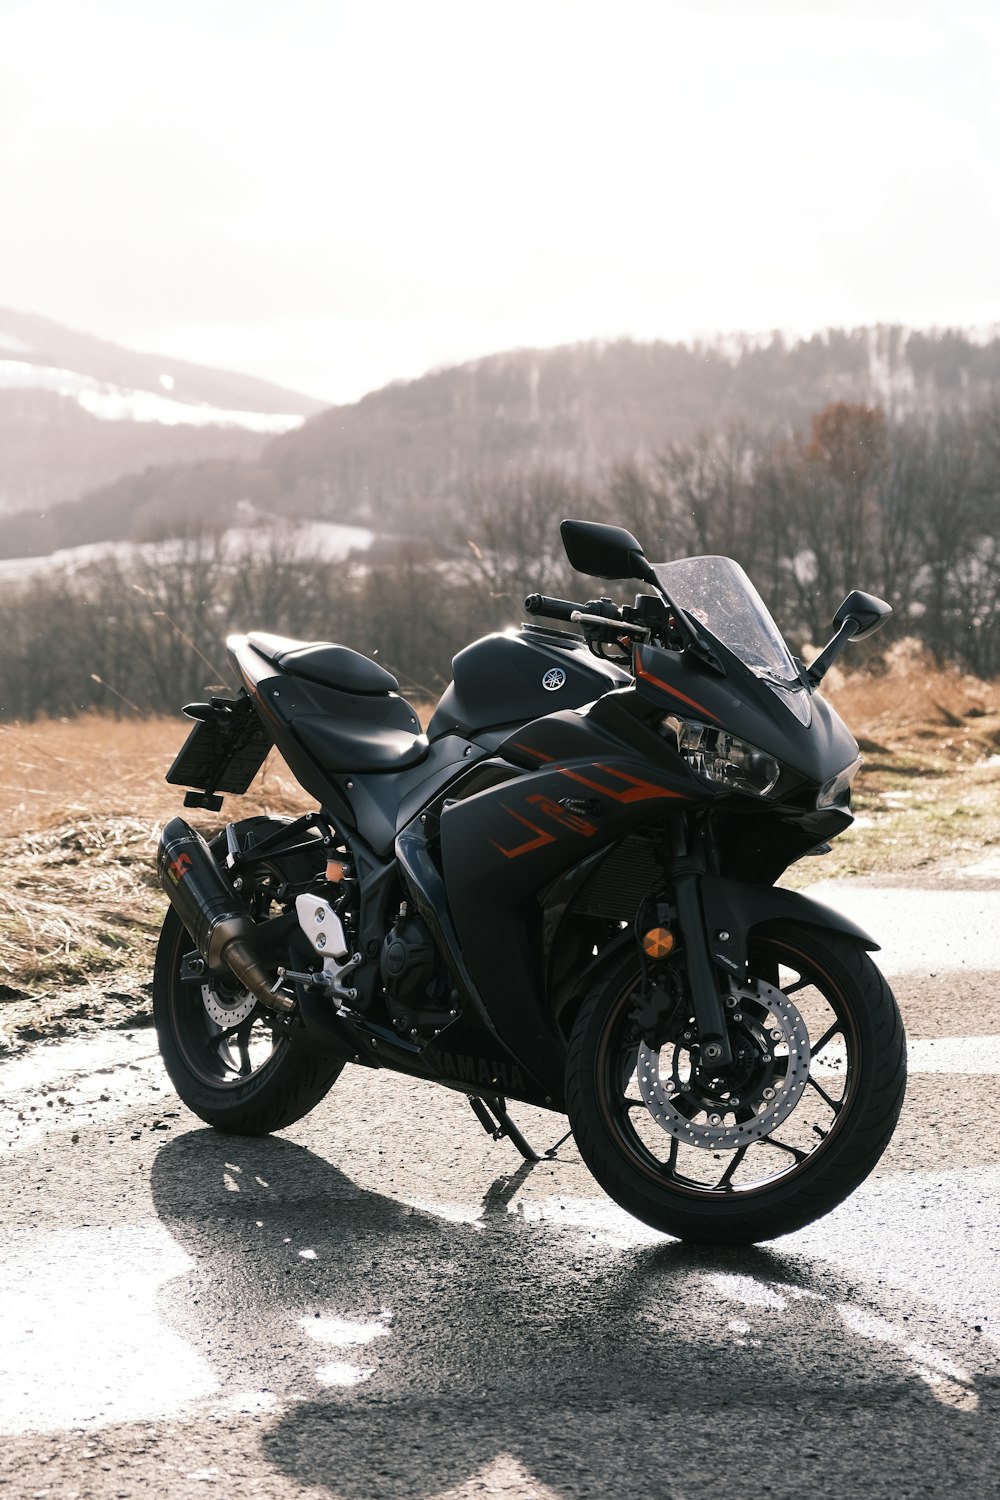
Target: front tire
[
  {"x": 759, "y": 1153},
  {"x": 232, "y": 1062}
]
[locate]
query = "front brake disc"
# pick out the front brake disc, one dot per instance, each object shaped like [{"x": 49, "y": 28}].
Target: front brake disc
[{"x": 773, "y": 1025}]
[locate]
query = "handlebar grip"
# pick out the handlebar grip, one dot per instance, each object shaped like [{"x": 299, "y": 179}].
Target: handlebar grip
[{"x": 555, "y": 609}]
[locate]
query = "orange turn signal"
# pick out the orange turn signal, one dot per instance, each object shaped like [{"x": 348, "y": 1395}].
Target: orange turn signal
[{"x": 658, "y": 942}]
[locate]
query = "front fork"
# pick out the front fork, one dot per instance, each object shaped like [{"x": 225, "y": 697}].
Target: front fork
[{"x": 684, "y": 872}]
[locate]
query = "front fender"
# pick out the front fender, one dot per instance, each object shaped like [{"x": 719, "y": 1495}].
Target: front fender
[{"x": 735, "y": 909}]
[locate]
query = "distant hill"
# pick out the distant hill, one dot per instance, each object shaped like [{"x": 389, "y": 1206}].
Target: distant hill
[
  {"x": 77, "y": 411},
  {"x": 413, "y": 448},
  {"x": 408, "y": 457}
]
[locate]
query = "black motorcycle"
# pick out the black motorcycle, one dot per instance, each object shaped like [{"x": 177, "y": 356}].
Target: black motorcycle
[{"x": 563, "y": 893}]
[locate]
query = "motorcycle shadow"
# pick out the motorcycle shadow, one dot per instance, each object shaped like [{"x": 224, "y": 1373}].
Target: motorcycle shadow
[{"x": 393, "y": 1351}]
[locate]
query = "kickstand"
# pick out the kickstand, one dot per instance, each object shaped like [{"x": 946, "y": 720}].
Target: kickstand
[
  {"x": 493, "y": 1117},
  {"x": 553, "y": 1151}
]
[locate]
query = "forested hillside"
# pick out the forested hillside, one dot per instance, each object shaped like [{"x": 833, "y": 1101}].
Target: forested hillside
[
  {"x": 909, "y": 511},
  {"x": 412, "y": 457},
  {"x": 415, "y": 451},
  {"x": 853, "y": 461}
]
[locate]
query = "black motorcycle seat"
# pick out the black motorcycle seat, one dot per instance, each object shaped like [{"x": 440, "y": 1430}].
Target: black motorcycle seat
[{"x": 325, "y": 663}]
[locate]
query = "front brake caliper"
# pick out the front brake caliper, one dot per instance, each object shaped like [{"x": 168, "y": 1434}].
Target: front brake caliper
[{"x": 659, "y": 1014}]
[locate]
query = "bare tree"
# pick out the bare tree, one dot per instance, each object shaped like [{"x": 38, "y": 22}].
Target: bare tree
[{"x": 513, "y": 544}]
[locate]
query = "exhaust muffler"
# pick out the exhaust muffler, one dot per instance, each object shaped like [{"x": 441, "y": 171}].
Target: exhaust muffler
[{"x": 221, "y": 927}]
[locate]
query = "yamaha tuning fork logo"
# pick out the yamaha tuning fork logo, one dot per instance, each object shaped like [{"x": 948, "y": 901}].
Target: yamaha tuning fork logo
[{"x": 554, "y": 679}]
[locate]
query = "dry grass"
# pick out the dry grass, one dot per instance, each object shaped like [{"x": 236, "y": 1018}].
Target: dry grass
[
  {"x": 82, "y": 801},
  {"x": 61, "y": 770},
  {"x": 81, "y": 805},
  {"x": 936, "y": 718},
  {"x": 929, "y": 791}
]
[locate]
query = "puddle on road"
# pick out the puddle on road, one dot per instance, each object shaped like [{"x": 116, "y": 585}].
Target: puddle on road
[
  {"x": 83, "y": 1344},
  {"x": 77, "y": 1085},
  {"x": 61, "y": 1062}
]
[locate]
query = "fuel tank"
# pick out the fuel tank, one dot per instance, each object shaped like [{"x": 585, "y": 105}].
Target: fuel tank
[{"x": 522, "y": 674}]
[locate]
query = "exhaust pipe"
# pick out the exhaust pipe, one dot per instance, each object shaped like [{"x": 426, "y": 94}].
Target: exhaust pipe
[{"x": 220, "y": 925}]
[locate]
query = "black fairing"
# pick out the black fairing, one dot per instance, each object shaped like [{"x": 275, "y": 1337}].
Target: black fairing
[
  {"x": 585, "y": 791},
  {"x": 499, "y": 680},
  {"x": 748, "y": 708}
]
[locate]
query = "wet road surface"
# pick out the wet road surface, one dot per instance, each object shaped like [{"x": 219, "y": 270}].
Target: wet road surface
[{"x": 384, "y": 1302}]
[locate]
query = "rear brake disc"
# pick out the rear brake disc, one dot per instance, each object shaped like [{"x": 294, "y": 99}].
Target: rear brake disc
[{"x": 227, "y": 1011}]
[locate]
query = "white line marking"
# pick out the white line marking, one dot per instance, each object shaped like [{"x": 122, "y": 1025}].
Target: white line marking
[{"x": 921, "y": 932}]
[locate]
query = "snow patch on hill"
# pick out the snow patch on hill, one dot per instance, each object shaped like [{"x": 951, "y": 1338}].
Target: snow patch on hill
[
  {"x": 324, "y": 541},
  {"x": 113, "y": 403}
]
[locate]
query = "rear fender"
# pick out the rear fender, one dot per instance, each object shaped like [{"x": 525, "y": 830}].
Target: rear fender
[{"x": 733, "y": 910}]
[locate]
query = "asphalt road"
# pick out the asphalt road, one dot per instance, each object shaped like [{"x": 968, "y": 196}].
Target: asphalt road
[{"x": 383, "y": 1302}]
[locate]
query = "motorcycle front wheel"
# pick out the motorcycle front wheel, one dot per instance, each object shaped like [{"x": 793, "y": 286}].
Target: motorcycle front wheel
[
  {"x": 232, "y": 1061},
  {"x": 798, "y": 1122}
]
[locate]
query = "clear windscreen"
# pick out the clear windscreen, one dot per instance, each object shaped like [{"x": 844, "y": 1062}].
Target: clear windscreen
[{"x": 719, "y": 595}]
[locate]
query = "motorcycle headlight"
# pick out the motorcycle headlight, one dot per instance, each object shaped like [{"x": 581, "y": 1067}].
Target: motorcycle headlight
[
  {"x": 837, "y": 791},
  {"x": 722, "y": 758}
]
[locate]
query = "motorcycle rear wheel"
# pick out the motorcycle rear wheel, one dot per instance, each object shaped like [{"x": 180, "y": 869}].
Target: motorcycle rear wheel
[
  {"x": 231, "y": 1061},
  {"x": 727, "y": 1162}
]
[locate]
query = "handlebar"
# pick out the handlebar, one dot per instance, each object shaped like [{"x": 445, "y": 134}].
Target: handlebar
[
  {"x": 555, "y": 609},
  {"x": 602, "y": 620},
  {"x": 655, "y": 617}
]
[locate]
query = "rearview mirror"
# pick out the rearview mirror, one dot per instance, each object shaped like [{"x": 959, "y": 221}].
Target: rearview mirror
[
  {"x": 867, "y": 612},
  {"x": 604, "y": 551},
  {"x": 858, "y": 616}
]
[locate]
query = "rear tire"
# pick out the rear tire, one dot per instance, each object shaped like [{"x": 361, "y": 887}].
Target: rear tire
[
  {"x": 231, "y": 1061},
  {"x": 650, "y": 1126}
]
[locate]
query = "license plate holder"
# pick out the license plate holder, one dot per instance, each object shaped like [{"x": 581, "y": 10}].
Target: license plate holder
[{"x": 225, "y": 749}]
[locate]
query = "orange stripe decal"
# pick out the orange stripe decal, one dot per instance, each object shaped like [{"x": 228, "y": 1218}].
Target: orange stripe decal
[
  {"x": 635, "y": 790},
  {"x": 640, "y": 671},
  {"x": 530, "y": 750},
  {"x": 544, "y": 837}
]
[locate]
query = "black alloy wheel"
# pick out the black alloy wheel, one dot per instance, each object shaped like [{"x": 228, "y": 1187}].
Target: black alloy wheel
[
  {"x": 795, "y": 1125},
  {"x": 231, "y": 1060}
]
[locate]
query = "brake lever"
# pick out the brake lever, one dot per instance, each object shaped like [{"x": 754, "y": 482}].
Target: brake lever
[{"x": 613, "y": 628}]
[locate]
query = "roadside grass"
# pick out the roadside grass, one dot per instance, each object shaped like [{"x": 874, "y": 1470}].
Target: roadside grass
[
  {"x": 928, "y": 793},
  {"x": 81, "y": 805},
  {"x": 82, "y": 801}
]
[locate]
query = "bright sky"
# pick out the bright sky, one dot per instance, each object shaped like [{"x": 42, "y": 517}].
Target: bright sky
[{"x": 337, "y": 193}]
